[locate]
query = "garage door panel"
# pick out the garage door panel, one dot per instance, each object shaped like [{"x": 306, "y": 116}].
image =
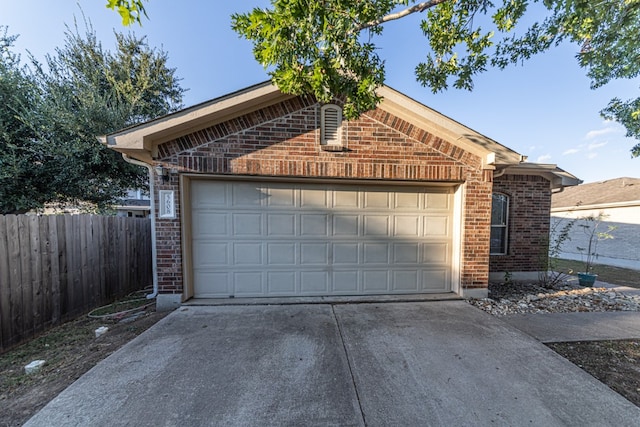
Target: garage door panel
[
  {"x": 281, "y": 197},
  {"x": 407, "y": 201},
  {"x": 247, "y": 224},
  {"x": 313, "y": 224},
  {"x": 438, "y": 201},
  {"x": 314, "y": 253},
  {"x": 376, "y": 199},
  {"x": 433, "y": 280},
  {"x": 345, "y": 253},
  {"x": 406, "y": 226},
  {"x": 346, "y": 199},
  {"x": 376, "y": 225},
  {"x": 375, "y": 281},
  {"x": 436, "y": 226},
  {"x": 376, "y": 253},
  {"x": 210, "y": 254},
  {"x": 405, "y": 280},
  {"x": 247, "y": 253},
  {"x": 281, "y": 224},
  {"x": 406, "y": 253},
  {"x": 311, "y": 198},
  {"x": 247, "y": 195},
  {"x": 248, "y": 283},
  {"x": 345, "y": 225},
  {"x": 210, "y": 224},
  {"x": 314, "y": 283},
  {"x": 281, "y": 253},
  {"x": 281, "y": 283},
  {"x": 287, "y": 239},
  {"x": 213, "y": 285},
  {"x": 204, "y": 195},
  {"x": 345, "y": 282},
  {"x": 436, "y": 253}
]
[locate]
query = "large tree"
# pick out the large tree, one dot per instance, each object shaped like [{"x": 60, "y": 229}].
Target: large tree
[
  {"x": 24, "y": 164},
  {"x": 80, "y": 92},
  {"x": 327, "y": 47}
]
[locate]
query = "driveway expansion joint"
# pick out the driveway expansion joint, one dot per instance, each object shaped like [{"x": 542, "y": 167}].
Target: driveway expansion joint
[{"x": 346, "y": 353}]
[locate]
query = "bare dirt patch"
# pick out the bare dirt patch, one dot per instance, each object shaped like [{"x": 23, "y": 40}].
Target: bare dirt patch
[
  {"x": 69, "y": 350},
  {"x": 615, "y": 363}
]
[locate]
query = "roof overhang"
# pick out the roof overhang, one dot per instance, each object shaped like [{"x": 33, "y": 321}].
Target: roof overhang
[
  {"x": 141, "y": 141},
  {"x": 613, "y": 205},
  {"x": 438, "y": 124},
  {"x": 559, "y": 178}
]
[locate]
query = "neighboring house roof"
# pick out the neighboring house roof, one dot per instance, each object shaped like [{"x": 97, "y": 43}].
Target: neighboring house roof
[
  {"x": 141, "y": 141},
  {"x": 612, "y": 192},
  {"x": 133, "y": 204}
]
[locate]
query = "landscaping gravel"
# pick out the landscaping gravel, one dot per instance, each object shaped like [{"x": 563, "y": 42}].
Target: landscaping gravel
[{"x": 531, "y": 298}]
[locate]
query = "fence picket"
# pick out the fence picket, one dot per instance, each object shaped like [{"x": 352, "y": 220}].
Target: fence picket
[
  {"x": 24, "y": 237},
  {"x": 54, "y": 260},
  {"x": 5, "y": 283},
  {"x": 15, "y": 279}
]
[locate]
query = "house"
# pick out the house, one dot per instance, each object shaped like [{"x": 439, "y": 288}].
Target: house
[
  {"x": 135, "y": 204},
  {"x": 618, "y": 200},
  {"x": 263, "y": 194}
]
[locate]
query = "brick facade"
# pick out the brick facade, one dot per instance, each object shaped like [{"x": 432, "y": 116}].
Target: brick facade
[
  {"x": 529, "y": 215},
  {"x": 283, "y": 141}
]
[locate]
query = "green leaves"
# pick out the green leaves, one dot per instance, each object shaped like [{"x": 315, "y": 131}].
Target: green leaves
[
  {"x": 131, "y": 11},
  {"x": 325, "y": 47},
  {"x": 311, "y": 47},
  {"x": 626, "y": 113},
  {"x": 449, "y": 28},
  {"x": 48, "y": 146},
  {"x": 22, "y": 164}
]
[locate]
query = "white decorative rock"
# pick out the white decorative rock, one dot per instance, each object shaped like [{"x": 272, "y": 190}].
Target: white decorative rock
[
  {"x": 34, "y": 367},
  {"x": 101, "y": 330}
]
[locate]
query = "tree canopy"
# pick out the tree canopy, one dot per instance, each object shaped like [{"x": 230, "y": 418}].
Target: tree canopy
[
  {"x": 327, "y": 47},
  {"x": 19, "y": 152},
  {"x": 48, "y": 146}
]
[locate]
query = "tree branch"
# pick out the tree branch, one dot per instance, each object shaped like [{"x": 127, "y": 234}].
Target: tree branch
[{"x": 420, "y": 7}]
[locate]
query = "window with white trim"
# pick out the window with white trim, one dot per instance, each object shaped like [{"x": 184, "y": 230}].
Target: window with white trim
[
  {"x": 331, "y": 125},
  {"x": 499, "y": 224}
]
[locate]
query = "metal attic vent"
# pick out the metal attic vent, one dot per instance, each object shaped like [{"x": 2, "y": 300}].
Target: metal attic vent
[{"x": 331, "y": 117}]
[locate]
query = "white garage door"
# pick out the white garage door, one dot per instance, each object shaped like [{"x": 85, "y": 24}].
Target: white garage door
[{"x": 253, "y": 239}]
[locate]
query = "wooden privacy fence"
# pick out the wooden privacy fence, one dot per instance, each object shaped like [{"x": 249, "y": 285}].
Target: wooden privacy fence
[{"x": 56, "y": 267}]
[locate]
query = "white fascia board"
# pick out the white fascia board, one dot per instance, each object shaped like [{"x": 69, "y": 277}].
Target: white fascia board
[{"x": 147, "y": 135}]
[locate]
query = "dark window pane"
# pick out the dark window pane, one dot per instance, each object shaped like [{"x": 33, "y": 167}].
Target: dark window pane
[
  {"x": 499, "y": 209},
  {"x": 498, "y": 240}
]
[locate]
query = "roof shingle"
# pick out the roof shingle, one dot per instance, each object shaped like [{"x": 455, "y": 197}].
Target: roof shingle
[{"x": 596, "y": 193}]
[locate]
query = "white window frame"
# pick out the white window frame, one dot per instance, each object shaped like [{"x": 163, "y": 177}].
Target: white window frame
[
  {"x": 505, "y": 226},
  {"x": 331, "y": 125}
]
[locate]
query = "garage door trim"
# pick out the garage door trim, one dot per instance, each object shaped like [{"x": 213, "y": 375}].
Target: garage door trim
[{"x": 187, "y": 225}]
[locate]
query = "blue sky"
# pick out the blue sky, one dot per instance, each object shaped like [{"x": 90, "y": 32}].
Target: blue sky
[{"x": 544, "y": 109}]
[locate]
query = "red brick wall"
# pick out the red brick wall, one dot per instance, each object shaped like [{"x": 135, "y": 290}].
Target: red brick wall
[
  {"x": 169, "y": 242},
  {"x": 282, "y": 140},
  {"x": 529, "y": 210}
]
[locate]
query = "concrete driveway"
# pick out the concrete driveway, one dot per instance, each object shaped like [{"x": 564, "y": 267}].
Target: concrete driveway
[{"x": 384, "y": 364}]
